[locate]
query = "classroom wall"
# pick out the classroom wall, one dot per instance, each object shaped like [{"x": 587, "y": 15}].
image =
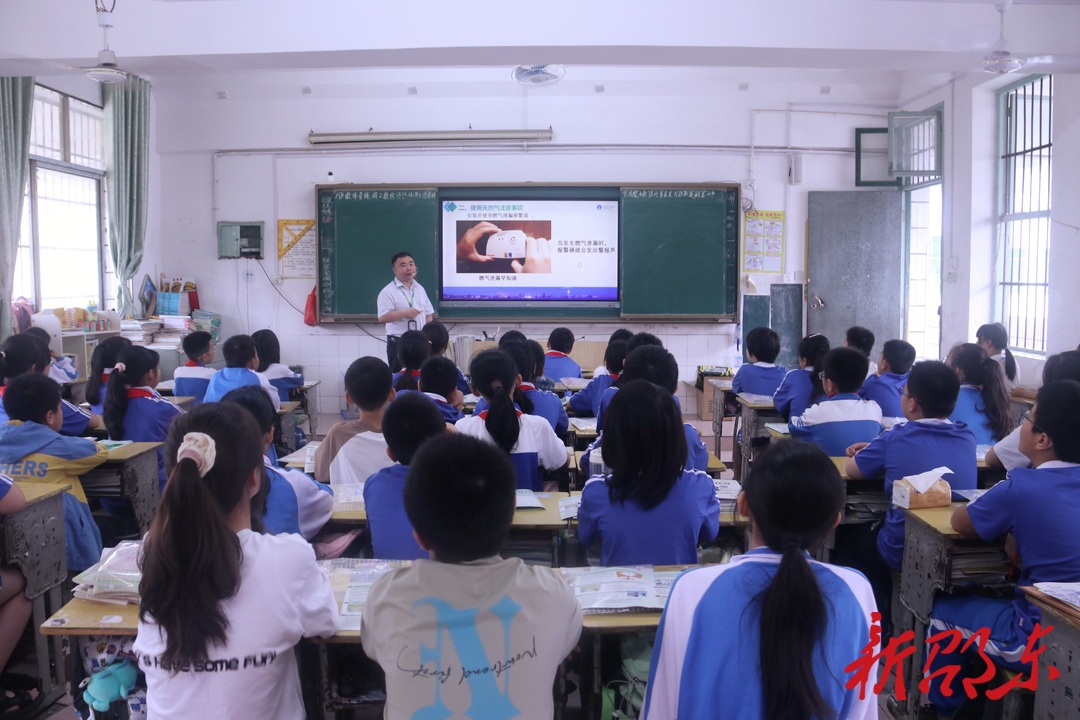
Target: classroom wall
[{"x": 235, "y": 159}]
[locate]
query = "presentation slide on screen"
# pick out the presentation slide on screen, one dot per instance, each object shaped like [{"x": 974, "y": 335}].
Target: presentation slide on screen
[{"x": 530, "y": 250}]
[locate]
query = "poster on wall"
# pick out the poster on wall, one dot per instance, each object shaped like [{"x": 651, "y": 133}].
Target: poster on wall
[
  {"x": 763, "y": 241},
  {"x": 296, "y": 248}
]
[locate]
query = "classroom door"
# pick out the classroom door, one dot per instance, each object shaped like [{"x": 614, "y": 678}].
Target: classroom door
[{"x": 855, "y": 264}]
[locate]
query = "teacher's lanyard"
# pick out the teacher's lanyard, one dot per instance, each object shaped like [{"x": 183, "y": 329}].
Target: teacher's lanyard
[{"x": 410, "y": 297}]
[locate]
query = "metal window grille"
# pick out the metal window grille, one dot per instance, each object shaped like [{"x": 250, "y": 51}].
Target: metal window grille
[
  {"x": 86, "y": 136},
  {"x": 46, "y": 131},
  {"x": 1023, "y": 228}
]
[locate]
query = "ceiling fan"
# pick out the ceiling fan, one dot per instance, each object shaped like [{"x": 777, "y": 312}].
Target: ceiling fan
[
  {"x": 106, "y": 71},
  {"x": 1000, "y": 60}
]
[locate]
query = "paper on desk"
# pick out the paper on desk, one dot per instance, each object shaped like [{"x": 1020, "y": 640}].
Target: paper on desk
[
  {"x": 726, "y": 488},
  {"x": 309, "y": 456},
  {"x": 781, "y": 428},
  {"x": 1067, "y": 592},
  {"x": 971, "y": 494},
  {"x": 980, "y": 452},
  {"x": 528, "y": 500},
  {"x": 923, "y": 481},
  {"x": 583, "y": 423},
  {"x": 349, "y": 497},
  {"x": 568, "y": 507}
]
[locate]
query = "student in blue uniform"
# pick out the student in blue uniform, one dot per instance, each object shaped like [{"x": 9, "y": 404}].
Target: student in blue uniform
[
  {"x": 528, "y": 439},
  {"x": 658, "y": 366},
  {"x": 101, "y": 364},
  {"x": 559, "y": 364},
  {"x": 528, "y": 398},
  {"x": 984, "y": 398},
  {"x": 803, "y": 387},
  {"x": 1038, "y": 507},
  {"x": 33, "y": 451},
  {"x": 270, "y": 365},
  {"x": 412, "y": 350},
  {"x": 926, "y": 441},
  {"x": 887, "y": 384},
  {"x": 769, "y": 634},
  {"x": 295, "y": 503},
  {"x": 23, "y": 353},
  {"x": 541, "y": 381},
  {"x": 133, "y": 408},
  {"x": 438, "y": 380},
  {"x": 409, "y": 421},
  {"x": 862, "y": 339},
  {"x": 241, "y": 359},
  {"x": 621, "y": 335},
  {"x": 651, "y": 509},
  {"x": 843, "y": 418},
  {"x": 640, "y": 339},
  {"x": 439, "y": 337},
  {"x": 193, "y": 378},
  {"x": 587, "y": 402},
  {"x": 61, "y": 367},
  {"x": 761, "y": 376}
]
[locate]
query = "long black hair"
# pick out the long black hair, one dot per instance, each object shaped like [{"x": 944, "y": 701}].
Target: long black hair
[
  {"x": 191, "y": 557},
  {"x": 138, "y": 362},
  {"x": 644, "y": 444},
  {"x": 268, "y": 347},
  {"x": 982, "y": 371},
  {"x": 998, "y": 336},
  {"x": 493, "y": 374},
  {"x": 103, "y": 359},
  {"x": 22, "y": 353},
  {"x": 525, "y": 362},
  {"x": 795, "y": 495},
  {"x": 412, "y": 350},
  {"x": 813, "y": 349}
]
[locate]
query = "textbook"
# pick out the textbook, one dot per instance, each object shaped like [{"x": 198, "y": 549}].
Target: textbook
[
  {"x": 529, "y": 500},
  {"x": 349, "y": 497},
  {"x": 630, "y": 588},
  {"x": 568, "y": 507},
  {"x": 115, "y": 578},
  {"x": 351, "y": 579},
  {"x": 585, "y": 424},
  {"x": 781, "y": 428}
]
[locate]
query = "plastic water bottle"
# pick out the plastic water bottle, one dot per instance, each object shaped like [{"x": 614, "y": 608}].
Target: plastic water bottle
[
  {"x": 736, "y": 362},
  {"x": 596, "y": 464}
]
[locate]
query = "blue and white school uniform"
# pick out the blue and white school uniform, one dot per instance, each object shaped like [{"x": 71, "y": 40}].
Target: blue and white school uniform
[
  {"x": 462, "y": 383},
  {"x": 282, "y": 378},
  {"x": 75, "y": 418},
  {"x": 605, "y": 400},
  {"x": 537, "y": 447},
  {"x": 793, "y": 396},
  {"x": 400, "y": 373},
  {"x": 706, "y": 657},
  {"x": 836, "y": 423},
  {"x": 586, "y": 403},
  {"x": 667, "y": 534},
  {"x": 761, "y": 378},
  {"x": 391, "y": 532},
  {"x": 1039, "y": 507},
  {"x": 296, "y": 503},
  {"x": 697, "y": 455},
  {"x": 558, "y": 365},
  {"x": 885, "y": 390},
  {"x": 147, "y": 419},
  {"x": 971, "y": 410},
  {"x": 450, "y": 413},
  {"x": 34, "y": 453},
  {"x": 545, "y": 404},
  {"x": 192, "y": 380},
  {"x": 229, "y": 378},
  {"x": 910, "y": 449},
  {"x": 63, "y": 370}
]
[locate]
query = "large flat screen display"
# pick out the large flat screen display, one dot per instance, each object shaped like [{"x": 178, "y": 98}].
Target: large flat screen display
[{"x": 530, "y": 252}]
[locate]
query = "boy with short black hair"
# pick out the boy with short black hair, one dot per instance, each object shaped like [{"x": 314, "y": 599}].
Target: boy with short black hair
[
  {"x": 439, "y": 337},
  {"x": 32, "y": 450},
  {"x": 621, "y": 335},
  {"x": 438, "y": 380},
  {"x": 194, "y": 377},
  {"x": 443, "y": 628},
  {"x": 761, "y": 376},
  {"x": 559, "y": 364},
  {"x": 587, "y": 402},
  {"x": 926, "y": 441},
  {"x": 355, "y": 449},
  {"x": 843, "y": 418},
  {"x": 861, "y": 339},
  {"x": 1038, "y": 507},
  {"x": 410, "y": 421},
  {"x": 241, "y": 360},
  {"x": 885, "y": 386}
]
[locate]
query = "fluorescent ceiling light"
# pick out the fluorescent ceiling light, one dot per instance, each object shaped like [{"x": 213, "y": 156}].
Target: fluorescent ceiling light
[{"x": 432, "y": 136}]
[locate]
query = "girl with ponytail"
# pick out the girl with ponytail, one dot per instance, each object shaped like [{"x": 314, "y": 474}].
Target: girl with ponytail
[
  {"x": 133, "y": 408},
  {"x": 24, "y": 353},
  {"x": 803, "y": 387},
  {"x": 800, "y": 622},
  {"x": 984, "y": 397},
  {"x": 101, "y": 365},
  {"x": 413, "y": 348},
  {"x": 221, "y": 606},
  {"x": 528, "y": 439},
  {"x": 994, "y": 339}
]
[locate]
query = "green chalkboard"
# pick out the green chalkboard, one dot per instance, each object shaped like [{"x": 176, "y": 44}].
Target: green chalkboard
[{"x": 678, "y": 249}]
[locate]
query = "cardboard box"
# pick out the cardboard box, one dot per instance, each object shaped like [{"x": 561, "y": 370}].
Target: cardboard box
[
  {"x": 704, "y": 401},
  {"x": 904, "y": 495}
]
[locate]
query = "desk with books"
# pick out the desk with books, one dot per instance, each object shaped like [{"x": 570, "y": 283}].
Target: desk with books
[
  {"x": 130, "y": 473},
  {"x": 754, "y": 412},
  {"x": 1059, "y": 698}
]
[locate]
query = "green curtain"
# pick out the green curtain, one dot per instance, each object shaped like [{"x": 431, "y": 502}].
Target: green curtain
[
  {"x": 16, "y": 114},
  {"x": 127, "y": 162}
]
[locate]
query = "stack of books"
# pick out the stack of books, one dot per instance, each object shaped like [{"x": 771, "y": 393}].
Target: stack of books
[{"x": 115, "y": 579}]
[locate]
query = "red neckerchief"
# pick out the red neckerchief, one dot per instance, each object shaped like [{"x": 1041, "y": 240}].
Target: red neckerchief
[
  {"x": 414, "y": 373},
  {"x": 614, "y": 376},
  {"x": 2, "y": 389},
  {"x": 483, "y": 415},
  {"x": 139, "y": 392},
  {"x": 105, "y": 375},
  {"x": 193, "y": 363},
  {"x": 555, "y": 353},
  {"x": 527, "y": 386}
]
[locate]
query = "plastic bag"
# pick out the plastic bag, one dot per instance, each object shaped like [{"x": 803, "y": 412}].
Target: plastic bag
[{"x": 311, "y": 315}]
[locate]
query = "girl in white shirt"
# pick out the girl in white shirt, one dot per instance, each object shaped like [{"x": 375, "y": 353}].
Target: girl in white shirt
[
  {"x": 994, "y": 339},
  {"x": 222, "y": 607}
]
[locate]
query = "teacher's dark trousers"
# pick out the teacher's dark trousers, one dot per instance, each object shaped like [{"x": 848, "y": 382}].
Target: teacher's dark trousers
[{"x": 391, "y": 353}]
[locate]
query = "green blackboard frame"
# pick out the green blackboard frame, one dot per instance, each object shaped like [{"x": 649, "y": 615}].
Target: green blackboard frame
[{"x": 359, "y": 224}]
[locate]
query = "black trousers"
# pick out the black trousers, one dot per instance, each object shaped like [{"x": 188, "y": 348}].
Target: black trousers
[
  {"x": 856, "y": 547},
  {"x": 391, "y": 353}
]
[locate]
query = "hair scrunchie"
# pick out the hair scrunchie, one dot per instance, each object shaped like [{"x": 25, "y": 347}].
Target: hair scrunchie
[
  {"x": 199, "y": 447},
  {"x": 790, "y": 541},
  {"x": 496, "y": 385},
  {"x": 119, "y": 367}
]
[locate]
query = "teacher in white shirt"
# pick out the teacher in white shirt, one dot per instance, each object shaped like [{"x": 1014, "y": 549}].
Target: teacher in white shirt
[{"x": 403, "y": 305}]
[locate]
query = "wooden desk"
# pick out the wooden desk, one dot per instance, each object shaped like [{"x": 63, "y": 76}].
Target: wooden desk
[
  {"x": 85, "y": 617},
  {"x": 308, "y": 397},
  {"x": 755, "y": 411},
  {"x": 841, "y": 464},
  {"x": 131, "y": 472},
  {"x": 286, "y": 424},
  {"x": 165, "y": 387},
  {"x": 1061, "y": 648},
  {"x": 720, "y": 388},
  {"x": 181, "y": 401},
  {"x": 33, "y": 540},
  {"x": 714, "y": 468},
  {"x": 527, "y": 519}
]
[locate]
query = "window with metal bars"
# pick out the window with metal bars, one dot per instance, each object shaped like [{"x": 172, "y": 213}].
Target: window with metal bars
[{"x": 1023, "y": 213}]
